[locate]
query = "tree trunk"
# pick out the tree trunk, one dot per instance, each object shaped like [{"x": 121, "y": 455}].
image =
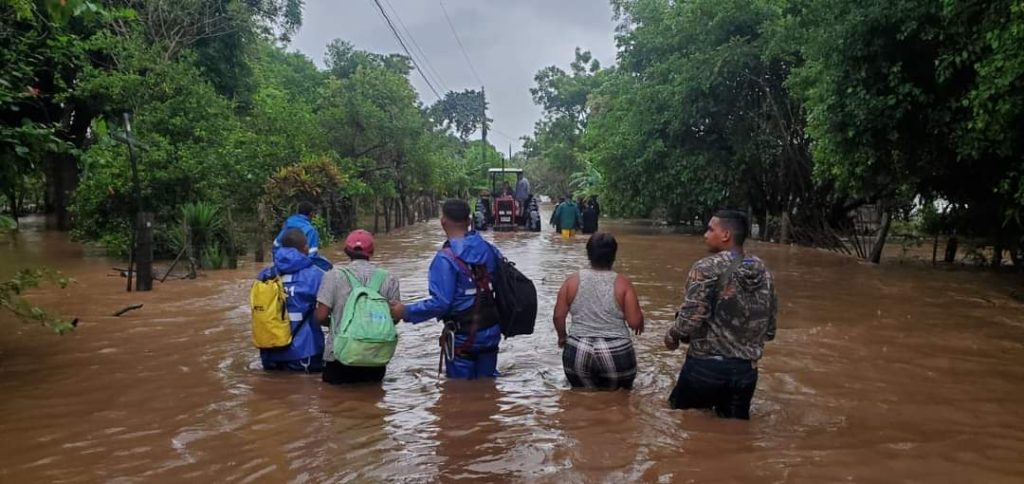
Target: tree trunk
[
  {"x": 935, "y": 249},
  {"x": 190, "y": 251},
  {"x": 883, "y": 233},
  {"x": 61, "y": 182},
  {"x": 952, "y": 245},
  {"x": 784, "y": 228},
  {"x": 12, "y": 197},
  {"x": 261, "y": 222},
  {"x": 232, "y": 249},
  {"x": 376, "y": 215},
  {"x": 327, "y": 214},
  {"x": 764, "y": 226},
  {"x": 407, "y": 211},
  {"x": 387, "y": 216}
]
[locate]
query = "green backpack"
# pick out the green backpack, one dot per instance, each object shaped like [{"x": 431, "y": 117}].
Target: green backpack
[{"x": 366, "y": 334}]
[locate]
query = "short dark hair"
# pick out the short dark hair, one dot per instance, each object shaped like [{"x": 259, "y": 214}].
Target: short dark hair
[
  {"x": 306, "y": 208},
  {"x": 456, "y": 210},
  {"x": 294, "y": 238},
  {"x": 356, "y": 254},
  {"x": 601, "y": 249},
  {"x": 736, "y": 222}
]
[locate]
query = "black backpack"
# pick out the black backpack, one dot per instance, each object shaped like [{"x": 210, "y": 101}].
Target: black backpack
[{"x": 516, "y": 298}]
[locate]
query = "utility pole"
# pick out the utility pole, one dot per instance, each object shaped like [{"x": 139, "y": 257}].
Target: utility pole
[{"x": 483, "y": 124}]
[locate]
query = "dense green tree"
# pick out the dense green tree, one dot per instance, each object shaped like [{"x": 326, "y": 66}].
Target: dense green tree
[
  {"x": 460, "y": 112},
  {"x": 553, "y": 152}
]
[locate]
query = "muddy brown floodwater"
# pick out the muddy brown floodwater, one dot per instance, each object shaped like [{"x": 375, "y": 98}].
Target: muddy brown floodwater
[{"x": 879, "y": 373}]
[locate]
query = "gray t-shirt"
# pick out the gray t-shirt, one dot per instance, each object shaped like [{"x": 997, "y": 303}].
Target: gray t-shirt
[{"x": 334, "y": 290}]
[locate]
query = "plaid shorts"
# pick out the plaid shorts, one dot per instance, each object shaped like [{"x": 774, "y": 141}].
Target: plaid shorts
[{"x": 602, "y": 363}]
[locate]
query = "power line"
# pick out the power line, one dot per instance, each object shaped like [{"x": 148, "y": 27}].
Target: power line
[
  {"x": 405, "y": 48},
  {"x": 457, "y": 40},
  {"x": 507, "y": 137},
  {"x": 423, "y": 55}
]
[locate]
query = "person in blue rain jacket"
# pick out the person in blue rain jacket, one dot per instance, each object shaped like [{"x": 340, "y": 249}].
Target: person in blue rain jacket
[
  {"x": 303, "y": 220},
  {"x": 472, "y": 333},
  {"x": 301, "y": 277}
]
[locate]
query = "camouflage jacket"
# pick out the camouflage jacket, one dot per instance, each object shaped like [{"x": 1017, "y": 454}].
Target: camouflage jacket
[{"x": 734, "y": 323}]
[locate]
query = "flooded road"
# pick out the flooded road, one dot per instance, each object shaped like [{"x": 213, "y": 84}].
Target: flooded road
[{"x": 887, "y": 373}]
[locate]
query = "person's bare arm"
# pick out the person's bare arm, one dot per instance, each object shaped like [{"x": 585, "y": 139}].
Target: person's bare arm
[
  {"x": 322, "y": 314},
  {"x": 625, "y": 295},
  {"x": 566, "y": 294}
]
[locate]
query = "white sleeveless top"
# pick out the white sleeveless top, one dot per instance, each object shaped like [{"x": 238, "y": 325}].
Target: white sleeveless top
[{"x": 595, "y": 314}]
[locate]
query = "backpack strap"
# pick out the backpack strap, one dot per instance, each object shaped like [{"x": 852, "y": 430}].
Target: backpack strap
[
  {"x": 478, "y": 274},
  {"x": 377, "y": 281},
  {"x": 352, "y": 279}
]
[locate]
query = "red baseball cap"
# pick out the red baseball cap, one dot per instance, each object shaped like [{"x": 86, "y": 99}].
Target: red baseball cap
[{"x": 359, "y": 240}]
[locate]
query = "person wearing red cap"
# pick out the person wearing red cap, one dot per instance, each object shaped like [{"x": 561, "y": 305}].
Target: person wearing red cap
[{"x": 334, "y": 291}]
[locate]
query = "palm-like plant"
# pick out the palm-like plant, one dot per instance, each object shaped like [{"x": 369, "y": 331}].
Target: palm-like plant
[
  {"x": 7, "y": 223},
  {"x": 587, "y": 181},
  {"x": 200, "y": 227}
]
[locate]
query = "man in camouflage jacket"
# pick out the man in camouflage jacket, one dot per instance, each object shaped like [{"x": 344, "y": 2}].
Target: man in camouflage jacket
[{"x": 728, "y": 313}]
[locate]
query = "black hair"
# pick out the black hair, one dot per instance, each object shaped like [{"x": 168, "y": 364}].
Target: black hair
[
  {"x": 456, "y": 210},
  {"x": 601, "y": 249},
  {"x": 294, "y": 238},
  {"x": 736, "y": 222},
  {"x": 306, "y": 208},
  {"x": 357, "y": 254}
]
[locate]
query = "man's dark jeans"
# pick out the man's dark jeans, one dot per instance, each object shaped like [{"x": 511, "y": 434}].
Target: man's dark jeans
[{"x": 723, "y": 384}]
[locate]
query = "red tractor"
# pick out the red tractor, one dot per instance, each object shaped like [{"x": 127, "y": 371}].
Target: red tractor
[{"x": 503, "y": 206}]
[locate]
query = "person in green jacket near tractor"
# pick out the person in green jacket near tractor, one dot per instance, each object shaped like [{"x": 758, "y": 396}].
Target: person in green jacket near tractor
[{"x": 568, "y": 218}]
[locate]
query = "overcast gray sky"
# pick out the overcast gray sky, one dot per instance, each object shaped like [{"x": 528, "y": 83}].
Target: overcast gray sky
[{"x": 507, "y": 41}]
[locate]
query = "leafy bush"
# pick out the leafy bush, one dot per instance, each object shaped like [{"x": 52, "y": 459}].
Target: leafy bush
[{"x": 11, "y": 298}]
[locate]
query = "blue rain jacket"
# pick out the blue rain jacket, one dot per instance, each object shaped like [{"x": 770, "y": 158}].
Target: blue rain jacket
[
  {"x": 301, "y": 278},
  {"x": 452, "y": 290},
  {"x": 301, "y": 222}
]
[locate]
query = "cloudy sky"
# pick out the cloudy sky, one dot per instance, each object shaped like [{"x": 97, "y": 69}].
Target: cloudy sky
[{"x": 507, "y": 41}]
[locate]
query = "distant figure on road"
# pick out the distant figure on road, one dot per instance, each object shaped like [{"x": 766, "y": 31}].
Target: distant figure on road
[
  {"x": 522, "y": 195},
  {"x": 554, "y": 215},
  {"x": 568, "y": 216},
  {"x": 589, "y": 219}
]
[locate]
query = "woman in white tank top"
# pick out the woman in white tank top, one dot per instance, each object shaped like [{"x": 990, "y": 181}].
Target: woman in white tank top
[{"x": 597, "y": 349}]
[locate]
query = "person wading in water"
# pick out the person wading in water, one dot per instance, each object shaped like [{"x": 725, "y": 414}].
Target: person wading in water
[
  {"x": 598, "y": 351},
  {"x": 460, "y": 296},
  {"x": 728, "y": 313}
]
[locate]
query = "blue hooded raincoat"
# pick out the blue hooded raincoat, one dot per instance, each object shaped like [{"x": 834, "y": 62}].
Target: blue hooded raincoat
[
  {"x": 452, "y": 290},
  {"x": 301, "y": 222},
  {"x": 301, "y": 278}
]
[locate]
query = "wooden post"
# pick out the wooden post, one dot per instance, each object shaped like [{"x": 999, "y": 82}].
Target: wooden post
[
  {"x": 784, "y": 230},
  {"x": 138, "y": 205},
  {"x": 261, "y": 222},
  {"x": 232, "y": 249},
  {"x": 144, "y": 252}
]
